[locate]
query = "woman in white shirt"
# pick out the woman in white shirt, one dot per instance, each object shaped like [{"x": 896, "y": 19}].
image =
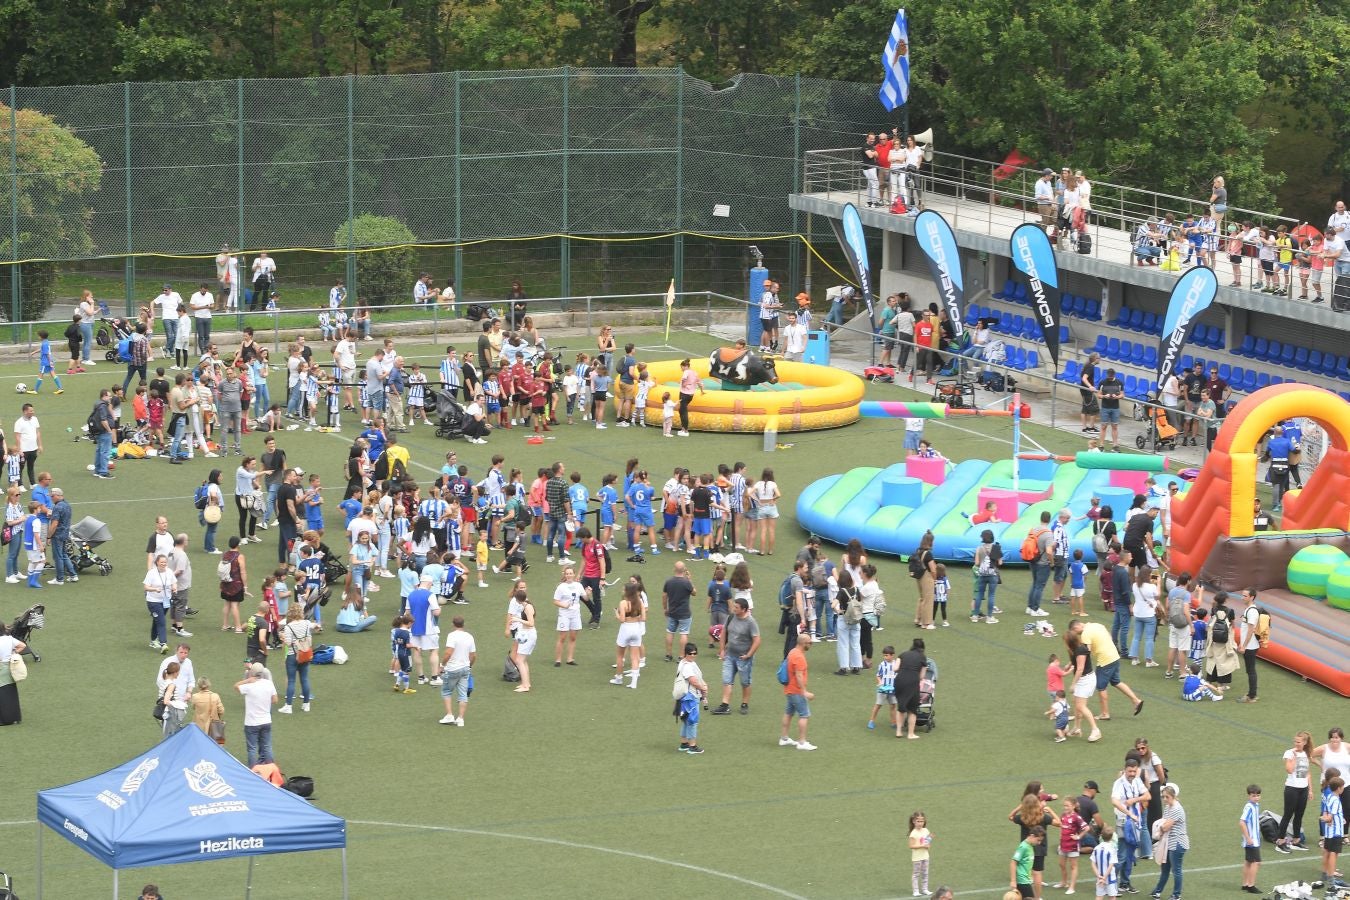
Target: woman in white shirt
[
  {"x": 245, "y": 489},
  {"x": 1298, "y": 790},
  {"x": 160, "y": 583},
  {"x": 869, "y": 592},
  {"x": 766, "y": 496},
  {"x": 14, "y": 519},
  {"x": 10, "y": 713},
  {"x": 1144, "y": 609}
]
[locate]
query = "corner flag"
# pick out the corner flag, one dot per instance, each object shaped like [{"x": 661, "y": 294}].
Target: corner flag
[
  {"x": 895, "y": 61},
  {"x": 670, "y": 305}
]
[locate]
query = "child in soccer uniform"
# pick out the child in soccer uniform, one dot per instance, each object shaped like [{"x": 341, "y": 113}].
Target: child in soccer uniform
[
  {"x": 310, "y": 567},
  {"x": 926, "y": 451},
  {"x": 718, "y": 509},
  {"x": 482, "y": 554},
  {"x": 333, "y": 388},
  {"x": 43, "y": 352},
  {"x": 1333, "y": 831},
  {"x": 667, "y": 415},
  {"x": 582, "y": 370},
  {"x": 14, "y": 465},
  {"x": 312, "y": 398},
  {"x": 537, "y": 390},
  {"x": 452, "y": 373},
  {"x": 492, "y": 394},
  {"x": 155, "y": 407},
  {"x": 1105, "y": 864},
  {"x": 417, "y": 395},
  {"x": 340, "y": 323},
  {"x": 506, "y": 387},
  {"x": 1193, "y": 687},
  {"x": 607, "y": 497},
  {"x": 400, "y": 640},
  {"x": 644, "y": 387},
  {"x": 325, "y": 326},
  {"x": 1199, "y": 633},
  {"x": 1250, "y": 823},
  {"x": 942, "y": 588},
  {"x": 1078, "y": 585},
  {"x": 1059, "y": 714},
  {"x": 313, "y": 503},
  {"x": 886, "y": 689}
]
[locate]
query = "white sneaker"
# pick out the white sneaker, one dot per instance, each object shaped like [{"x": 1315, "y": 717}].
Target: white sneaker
[
  {"x": 548, "y": 559},
  {"x": 304, "y": 707},
  {"x": 447, "y": 720},
  {"x": 806, "y": 745},
  {"x": 601, "y": 425},
  {"x": 1033, "y": 612},
  {"x": 55, "y": 581},
  {"x": 991, "y": 621},
  {"x": 285, "y": 710},
  {"x": 460, "y": 721},
  {"x": 683, "y": 433},
  {"x": 436, "y": 681},
  {"x": 12, "y": 579},
  {"x": 482, "y": 584},
  {"x": 617, "y": 679},
  {"x": 786, "y": 742}
]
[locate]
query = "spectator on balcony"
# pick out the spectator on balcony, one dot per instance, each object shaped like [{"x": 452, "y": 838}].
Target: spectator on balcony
[
  {"x": 1148, "y": 242},
  {"x": 1284, "y": 263},
  {"x": 1061, "y": 183},
  {"x": 1073, "y": 212},
  {"x": 1208, "y": 231},
  {"x": 913, "y": 161},
  {"x": 1234, "y": 250},
  {"x": 1193, "y": 386},
  {"x": 1084, "y": 202},
  {"x": 1087, "y": 391},
  {"x": 889, "y": 160},
  {"x": 1340, "y": 219},
  {"x": 1337, "y": 249},
  {"x": 869, "y": 167},
  {"x": 1045, "y": 199},
  {"x": 1219, "y": 391},
  {"x": 1313, "y": 250},
  {"x": 1218, "y": 202},
  {"x": 1265, "y": 242}
]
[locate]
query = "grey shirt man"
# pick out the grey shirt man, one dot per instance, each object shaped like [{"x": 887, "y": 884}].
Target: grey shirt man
[
  {"x": 231, "y": 392},
  {"x": 741, "y": 634}
]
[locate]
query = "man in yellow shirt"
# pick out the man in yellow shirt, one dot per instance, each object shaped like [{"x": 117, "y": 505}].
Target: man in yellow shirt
[
  {"x": 1106, "y": 662},
  {"x": 396, "y": 453}
]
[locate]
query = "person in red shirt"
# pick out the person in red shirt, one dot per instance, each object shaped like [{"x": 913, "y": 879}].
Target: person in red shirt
[
  {"x": 520, "y": 396},
  {"x": 797, "y": 696},
  {"x": 593, "y": 573},
  {"x": 924, "y": 334},
  {"x": 506, "y": 387},
  {"x": 885, "y": 144}
]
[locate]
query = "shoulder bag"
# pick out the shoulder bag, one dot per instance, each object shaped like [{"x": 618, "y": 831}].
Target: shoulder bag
[
  {"x": 304, "y": 647},
  {"x": 18, "y": 671}
]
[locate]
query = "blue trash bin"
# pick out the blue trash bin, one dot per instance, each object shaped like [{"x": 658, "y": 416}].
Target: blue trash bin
[{"x": 817, "y": 348}]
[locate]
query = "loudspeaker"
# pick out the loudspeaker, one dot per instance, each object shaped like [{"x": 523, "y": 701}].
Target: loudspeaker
[{"x": 1340, "y": 294}]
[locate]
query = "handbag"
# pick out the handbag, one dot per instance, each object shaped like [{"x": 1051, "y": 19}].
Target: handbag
[
  {"x": 158, "y": 713},
  {"x": 18, "y": 671},
  {"x": 215, "y": 730},
  {"x": 304, "y": 649},
  {"x": 7, "y": 534}
]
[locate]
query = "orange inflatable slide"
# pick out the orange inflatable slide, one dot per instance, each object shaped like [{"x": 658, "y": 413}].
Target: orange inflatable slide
[{"x": 1219, "y": 505}]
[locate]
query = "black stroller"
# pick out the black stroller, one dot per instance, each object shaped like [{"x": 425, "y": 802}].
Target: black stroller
[
  {"x": 85, "y": 535},
  {"x": 29, "y": 621},
  {"x": 449, "y": 416},
  {"x": 110, "y": 331}
]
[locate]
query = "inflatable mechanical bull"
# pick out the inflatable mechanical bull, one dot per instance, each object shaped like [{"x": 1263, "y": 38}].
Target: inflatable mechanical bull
[{"x": 741, "y": 365}]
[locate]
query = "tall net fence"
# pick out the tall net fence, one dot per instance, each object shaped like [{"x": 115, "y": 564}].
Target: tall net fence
[{"x": 572, "y": 180}]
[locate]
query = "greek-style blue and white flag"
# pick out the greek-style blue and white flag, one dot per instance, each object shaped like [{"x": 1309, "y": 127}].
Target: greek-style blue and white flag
[{"x": 895, "y": 62}]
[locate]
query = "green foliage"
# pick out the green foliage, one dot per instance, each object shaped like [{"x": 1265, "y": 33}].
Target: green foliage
[
  {"x": 383, "y": 277},
  {"x": 37, "y": 290}
]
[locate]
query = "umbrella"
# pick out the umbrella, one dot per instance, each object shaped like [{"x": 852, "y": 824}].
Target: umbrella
[{"x": 90, "y": 531}]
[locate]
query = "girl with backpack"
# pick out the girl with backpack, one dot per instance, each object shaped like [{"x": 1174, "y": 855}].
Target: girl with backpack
[
  {"x": 233, "y": 576},
  {"x": 1221, "y": 658},
  {"x": 848, "y": 618}
]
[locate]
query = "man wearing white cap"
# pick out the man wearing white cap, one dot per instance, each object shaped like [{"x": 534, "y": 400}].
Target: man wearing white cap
[
  {"x": 259, "y": 695},
  {"x": 425, "y": 610}
]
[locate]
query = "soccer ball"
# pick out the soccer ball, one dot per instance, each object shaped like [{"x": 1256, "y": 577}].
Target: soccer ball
[{"x": 20, "y": 388}]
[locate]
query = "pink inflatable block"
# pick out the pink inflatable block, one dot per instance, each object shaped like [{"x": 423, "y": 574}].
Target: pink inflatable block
[
  {"x": 1127, "y": 479},
  {"x": 930, "y": 471},
  {"x": 1005, "y": 503}
]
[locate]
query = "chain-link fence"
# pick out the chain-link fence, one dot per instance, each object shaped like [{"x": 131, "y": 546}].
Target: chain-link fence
[{"x": 578, "y": 179}]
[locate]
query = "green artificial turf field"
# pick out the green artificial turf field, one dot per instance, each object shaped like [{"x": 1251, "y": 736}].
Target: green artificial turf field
[{"x": 576, "y": 787}]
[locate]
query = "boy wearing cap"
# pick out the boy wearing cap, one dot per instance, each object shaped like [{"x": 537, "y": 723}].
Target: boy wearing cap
[{"x": 259, "y": 695}]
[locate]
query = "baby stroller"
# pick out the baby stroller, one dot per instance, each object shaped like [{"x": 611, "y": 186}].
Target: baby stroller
[
  {"x": 85, "y": 535},
  {"x": 29, "y": 621},
  {"x": 1159, "y": 434},
  {"x": 925, "y": 718},
  {"x": 111, "y": 332},
  {"x": 449, "y": 416}
]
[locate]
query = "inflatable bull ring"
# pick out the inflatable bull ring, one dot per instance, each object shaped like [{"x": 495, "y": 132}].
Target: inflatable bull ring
[{"x": 804, "y": 397}]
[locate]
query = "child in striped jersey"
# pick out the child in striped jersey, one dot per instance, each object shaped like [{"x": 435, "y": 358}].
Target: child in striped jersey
[
  {"x": 417, "y": 395},
  {"x": 644, "y": 387},
  {"x": 583, "y": 372},
  {"x": 452, "y": 374},
  {"x": 885, "y": 689}
]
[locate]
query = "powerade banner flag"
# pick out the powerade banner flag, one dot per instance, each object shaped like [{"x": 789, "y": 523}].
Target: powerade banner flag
[
  {"x": 1034, "y": 257},
  {"x": 1193, "y": 294},
  {"x": 944, "y": 261},
  {"x": 854, "y": 242}
]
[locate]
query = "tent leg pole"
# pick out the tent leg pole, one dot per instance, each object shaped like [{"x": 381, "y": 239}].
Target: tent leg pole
[
  {"x": 39, "y": 869},
  {"x": 344, "y": 873},
  {"x": 248, "y": 884},
  {"x": 114, "y": 884}
]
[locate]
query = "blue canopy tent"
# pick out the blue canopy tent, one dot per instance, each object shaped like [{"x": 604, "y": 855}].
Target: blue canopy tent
[{"x": 184, "y": 800}]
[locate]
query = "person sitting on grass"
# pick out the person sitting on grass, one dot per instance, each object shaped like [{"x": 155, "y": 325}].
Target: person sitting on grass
[{"x": 1193, "y": 687}]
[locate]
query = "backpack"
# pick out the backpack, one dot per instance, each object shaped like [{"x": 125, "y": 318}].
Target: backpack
[
  {"x": 1176, "y": 614},
  {"x": 852, "y": 613},
  {"x": 1218, "y": 632},
  {"x": 783, "y": 672},
  {"x": 200, "y": 496},
  {"x": 916, "y": 566},
  {"x": 124, "y": 350},
  {"x": 510, "y": 671},
  {"x": 225, "y": 570},
  {"x": 1031, "y": 544},
  {"x": 786, "y": 596},
  {"x": 1099, "y": 545},
  {"x": 818, "y": 575},
  {"x": 1263, "y": 629},
  {"x": 987, "y": 565}
]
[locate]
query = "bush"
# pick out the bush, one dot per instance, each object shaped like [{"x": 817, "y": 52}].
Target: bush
[
  {"x": 383, "y": 277},
  {"x": 37, "y": 284}
]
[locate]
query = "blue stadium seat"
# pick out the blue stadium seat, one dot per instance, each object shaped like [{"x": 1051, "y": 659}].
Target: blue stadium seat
[
  {"x": 1112, "y": 350},
  {"x": 1287, "y": 355},
  {"x": 1020, "y": 293},
  {"x": 1131, "y": 385},
  {"x": 1018, "y": 358},
  {"x": 1201, "y": 335},
  {"x": 1262, "y": 380},
  {"x": 1259, "y": 348},
  {"x": 1092, "y": 309},
  {"x": 1150, "y": 324},
  {"x": 1314, "y": 362},
  {"x": 1033, "y": 359},
  {"x": 1136, "y": 321},
  {"x": 1065, "y": 304},
  {"x": 1031, "y": 329},
  {"x": 1150, "y": 356},
  {"x": 1078, "y": 308},
  {"x": 1226, "y": 372},
  {"x": 1249, "y": 381},
  {"x": 1137, "y": 354},
  {"x": 1073, "y": 370},
  {"x": 1008, "y": 287},
  {"x": 1005, "y": 323},
  {"x": 1099, "y": 348},
  {"x": 1122, "y": 320},
  {"x": 1273, "y": 350},
  {"x": 1248, "y": 344},
  {"x": 1184, "y": 364},
  {"x": 1276, "y": 379},
  {"x": 1343, "y": 368},
  {"x": 1063, "y": 334},
  {"x": 1301, "y": 358},
  {"x": 1216, "y": 337},
  {"x": 972, "y": 314},
  {"x": 1237, "y": 374},
  {"x": 1329, "y": 364}
]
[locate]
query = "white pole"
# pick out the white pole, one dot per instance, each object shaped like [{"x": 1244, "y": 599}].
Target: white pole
[
  {"x": 248, "y": 883},
  {"x": 114, "y": 884},
  {"x": 344, "y": 873},
  {"x": 39, "y": 869}
]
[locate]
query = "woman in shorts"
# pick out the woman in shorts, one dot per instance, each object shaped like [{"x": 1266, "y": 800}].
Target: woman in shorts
[
  {"x": 632, "y": 614},
  {"x": 1084, "y": 686},
  {"x": 766, "y": 496},
  {"x": 599, "y": 393},
  {"x": 522, "y": 624}
]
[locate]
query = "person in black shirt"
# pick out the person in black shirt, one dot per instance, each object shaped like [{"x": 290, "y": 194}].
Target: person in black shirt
[
  {"x": 1087, "y": 389},
  {"x": 868, "y": 153},
  {"x": 1193, "y": 386},
  {"x": 1110, "y": 391},
  {"x": 272, "y": 464},
  {"x": 675, "y": 596},
  {"x": 700, "y": 500},
  {"x": 1138, "y": 540},
  {"x": 288, "y": 512}
]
